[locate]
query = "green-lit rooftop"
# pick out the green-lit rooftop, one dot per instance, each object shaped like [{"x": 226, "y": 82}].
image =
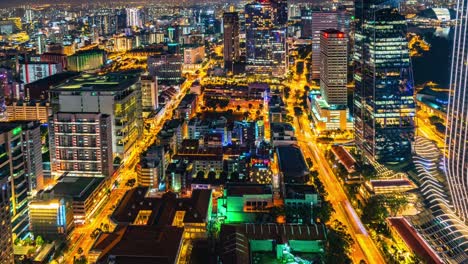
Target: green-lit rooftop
[{"x": 94, "y": 82}]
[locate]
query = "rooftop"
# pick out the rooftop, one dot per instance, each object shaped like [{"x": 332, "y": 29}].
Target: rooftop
[
  {"x": 140, "y": 244},
  {"x": 414, "y": 240},
  {"x": 291, "y": 161},
  {"x": 240, "y": 189},
  {"x": 79, "y": 188},
  {"x": 164, "y": 208},
  {"x": 93, "y": 82}
]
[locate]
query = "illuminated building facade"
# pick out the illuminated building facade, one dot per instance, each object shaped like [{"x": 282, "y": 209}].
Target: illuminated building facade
[
  {"x": 81, "y": 144},
  {"x": 384, "y": 107},
  {"x": 167, "y": 68},
  {"x": 149, "y": 93},
  {"x": 456, "y": 164},
  {"x": 12, "y": 168},
  {"x": 265, "y": 42},
  {"x": 116, "y": 94},
  {"x": 231, "y": 50},
  {"x": 51, "y": 219},
  {"x": 134, "y": 17},
  {"x": 86, "y": 60},
  {"x": 33, "y": 71},
  {"x": 6, "y": 238}
]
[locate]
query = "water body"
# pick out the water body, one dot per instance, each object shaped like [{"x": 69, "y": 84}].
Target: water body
[{"x": 434, "y": 65}]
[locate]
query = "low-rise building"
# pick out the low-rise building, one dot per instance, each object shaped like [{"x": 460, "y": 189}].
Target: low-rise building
[
  {"x": 242, "y": 202},
  {"x": 22, "y": 111},
  {"x": 86, "y": 193},
  {"x": 249, "y": 243},
  {"x": 282, "y": 134},
  {"x": 51, "y": 218}
]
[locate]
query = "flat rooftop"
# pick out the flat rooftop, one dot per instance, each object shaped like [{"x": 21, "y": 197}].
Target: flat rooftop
[
  {"x": 291, "y": 161},
  {"x": 79, "y": 188},
  {"x": 140, "y": 244},
  {"x": 162, "y": 209},
  {"x": 94, "y": 82},
  {"x": 240, "y": 189}
]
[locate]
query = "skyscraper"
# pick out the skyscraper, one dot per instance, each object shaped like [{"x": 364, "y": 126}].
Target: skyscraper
[
  {"x": 265, "y": 42},
  {"x": 384, "y": 107},
  {"x": 231, "y": 38},
  {"x": 134, "y": 17},
  {"x": 281, "y": 11},
  {"x": 456, "y": 138},
  {"x": 333, "y": 66}
]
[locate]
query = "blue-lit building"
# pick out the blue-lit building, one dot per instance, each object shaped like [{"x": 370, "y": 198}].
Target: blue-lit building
[{"x": 384, "y": 107}]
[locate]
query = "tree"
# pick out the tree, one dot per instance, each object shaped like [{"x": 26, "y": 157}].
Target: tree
[
  {"x": 396, "y": 204},
  {"x": 81, "y": 260},
  {"x": 39, "y": 241},
  {"x": 238, "y": 108},
  {"x": 200, "y": 175},
  {"x": 339, "y": 244},
  {"x": 374, "y": 212},
  {"x": 223, "y": 103},
  {"x": 80, "y": 250},
  {"x": 246, "y": 115},
  {"x": 211, "y": 175},
  {"x": 235, "y": 176},
  {"x": 250, "y": 106},
  {"x": 324, "y": 212}
]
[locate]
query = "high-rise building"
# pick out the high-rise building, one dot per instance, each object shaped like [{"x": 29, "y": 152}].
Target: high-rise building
[
  {"x": 32, "y": 151},
  {"x": 149, "y": 93},
  {"x": 33, "y": 71},
  {"x": 6, "y": 238},
  {"x": 166, "y": 67},
  {"x": 81, "y": 144},
  {"x": 333, "y": 66},
  {"x": 265, "y": 42},
  {"x": 330, "y": 111},
  {"x": 456, "y": 139},
  {"x": 134, "y": 17},
  {"x": 384, "y": 108},
  {"x": 86, "y": 60},
  {"x": 12, "y": 168},
  {"x": 115, "y": 94},
  {"x": 231, "y": 39},
  {"x": 281, "y": 11}
]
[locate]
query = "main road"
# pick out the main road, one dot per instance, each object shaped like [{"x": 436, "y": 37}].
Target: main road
[{"x": 364, "y": 247}]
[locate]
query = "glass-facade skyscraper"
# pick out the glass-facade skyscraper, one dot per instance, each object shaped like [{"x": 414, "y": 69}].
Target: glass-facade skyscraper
[
  {"x": 456, "y": 165},
  {"x": 265, "y": 41},
  {"x": 384, "y": 108}
]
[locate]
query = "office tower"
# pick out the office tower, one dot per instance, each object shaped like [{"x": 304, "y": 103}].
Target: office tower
[
  {"x": 384, "y": 107},
  {"x": 6, "y": 238},
  {"x": 86, "y": 60},
  {"x": 320, "y": 21},
  {"x": 281, "y": 11},
  {"x": 134, "y": 17},
  {"x": 81, "y": 144},
  {"x": 265, "y": 43},
  {"x": 166, "y": 67},
  {"x": 12, "y": 168},
  {"x": 115, "y": 94},
  {"x": 40, "y": 43},
  {"x": 33, "y": 71},
  {"x": 231, "y": 39},
  {"x": 149, "y": 93},
  {"x": 333, "y": 66},
  {"x": 456, "y": 139},
  {"x": 32, "y": 151}
]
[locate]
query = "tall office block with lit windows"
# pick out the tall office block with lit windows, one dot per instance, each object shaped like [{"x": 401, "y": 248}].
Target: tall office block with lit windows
[
  {"x": 231, "y": 50},
  {"x": 14, "y": 182},
  {"x": 81, "y": 144},
  {"x": 456, "y": 164},
  {"x": 115, "y": 94},
  {"x": 6, "y": 240},
  {"x": 384, "y": 107}
]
